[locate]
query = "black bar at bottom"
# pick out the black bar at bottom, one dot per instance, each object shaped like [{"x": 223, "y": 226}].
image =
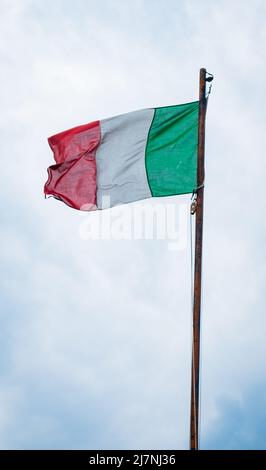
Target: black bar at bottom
[{"x": 126, "y": 459}]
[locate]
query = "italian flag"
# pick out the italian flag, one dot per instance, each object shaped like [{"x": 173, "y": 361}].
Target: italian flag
[{"x": 141, "y": 154}]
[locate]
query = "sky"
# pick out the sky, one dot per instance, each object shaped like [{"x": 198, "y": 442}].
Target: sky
[{"x": 95, "y": 336}]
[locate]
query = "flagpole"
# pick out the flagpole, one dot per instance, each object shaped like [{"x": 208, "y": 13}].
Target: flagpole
[{"x": 195, "y": 370}]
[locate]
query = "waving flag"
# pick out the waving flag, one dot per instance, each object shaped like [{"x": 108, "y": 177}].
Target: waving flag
[{"x": 141, "y": 154}]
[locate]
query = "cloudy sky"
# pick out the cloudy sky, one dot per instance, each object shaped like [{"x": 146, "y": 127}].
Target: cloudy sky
[{"x": 95, "y": 334}]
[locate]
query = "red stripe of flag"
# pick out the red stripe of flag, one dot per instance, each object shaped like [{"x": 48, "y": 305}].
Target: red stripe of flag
[{"x": 73, "y": 178}]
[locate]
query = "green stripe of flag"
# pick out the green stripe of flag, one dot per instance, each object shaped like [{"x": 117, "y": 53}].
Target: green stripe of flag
[{"x": 171, "y": 151}]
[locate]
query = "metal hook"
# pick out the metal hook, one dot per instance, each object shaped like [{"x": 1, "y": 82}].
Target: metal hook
[
  {"x": 209, "y": 79},
  {"x": 193, "y": 206}
]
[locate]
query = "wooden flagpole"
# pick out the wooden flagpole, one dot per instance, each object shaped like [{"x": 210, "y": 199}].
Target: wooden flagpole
[{"x": 194, "y": 412}]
